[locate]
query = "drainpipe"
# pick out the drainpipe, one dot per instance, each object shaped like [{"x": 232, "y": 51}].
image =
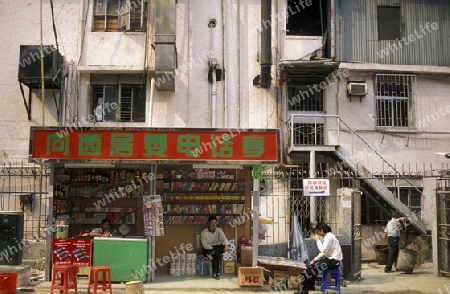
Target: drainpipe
[
  {"x": 266, "y": 40},
  {"x": 312, "y": 198},
  {"x": 150, "y": 107},
  {"x": 332, "y": 31},
  {"x": 212, "y": 74}
]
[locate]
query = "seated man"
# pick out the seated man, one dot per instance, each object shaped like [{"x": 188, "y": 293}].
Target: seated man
[
  {"x": 214, "y": 244},
  {"x": 330, "y": 257},
  {"x": 104, "y": 230}
]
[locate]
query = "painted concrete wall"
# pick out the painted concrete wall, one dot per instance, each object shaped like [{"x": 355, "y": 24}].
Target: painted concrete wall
[
  {"x": 234, "y": 43},
  {"x": 417, "y": 151},
  {"x": 21, "y": 26}
]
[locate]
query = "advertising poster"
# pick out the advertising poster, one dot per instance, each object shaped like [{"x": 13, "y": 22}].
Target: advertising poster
[
  {"x": 62, "y": 252},
  {"x": 81, "y": 252}
]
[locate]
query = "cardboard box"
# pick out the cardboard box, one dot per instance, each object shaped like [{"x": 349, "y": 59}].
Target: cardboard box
[
  {"x": 294, "y": 280},
  {"x": 250, "y": 276},
  {"x": 246, "y": 255},
  {"x": 228, "y": 267},
  {"x": 280, "y": 280}
]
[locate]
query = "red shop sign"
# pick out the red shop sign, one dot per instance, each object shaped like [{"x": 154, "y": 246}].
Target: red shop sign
[{"x": 155, "y": 144}]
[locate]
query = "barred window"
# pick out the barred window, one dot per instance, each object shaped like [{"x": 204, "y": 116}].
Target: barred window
[
  {"x": 394, "y": 94},
  {"x": 118, "y": 99},
  {"x": 304, "y": 97}
]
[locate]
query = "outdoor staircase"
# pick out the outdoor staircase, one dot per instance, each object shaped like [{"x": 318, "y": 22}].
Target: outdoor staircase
[{"x": 379, "y": 188}]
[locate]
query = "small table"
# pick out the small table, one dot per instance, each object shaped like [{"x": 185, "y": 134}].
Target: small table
[
  {"x": 281, "y": 262},
  {"x": 283, "y": 267}
]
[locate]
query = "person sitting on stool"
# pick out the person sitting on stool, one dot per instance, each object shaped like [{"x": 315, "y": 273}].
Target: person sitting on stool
[
  {"x": 392, "y": 231},
  {"x": 214, "y": 244},
  {"x": 330, "y": 257},
  {"x": 104, "y": 230}
]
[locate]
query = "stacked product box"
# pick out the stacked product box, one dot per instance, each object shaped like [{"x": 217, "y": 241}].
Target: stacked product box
[{"x": 191, "y": 259}]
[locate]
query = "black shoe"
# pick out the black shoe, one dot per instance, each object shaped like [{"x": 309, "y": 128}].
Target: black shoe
[
  {"x": 388, "y": 271},
  {"x": 301, "y": 292},
  {"x": 217, "y": 277}
]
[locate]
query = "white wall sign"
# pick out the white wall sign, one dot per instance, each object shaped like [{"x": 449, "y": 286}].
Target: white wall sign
[{"x": 316, "y": 187}]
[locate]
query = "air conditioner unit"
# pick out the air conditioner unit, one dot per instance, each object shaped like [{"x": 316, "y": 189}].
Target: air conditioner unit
[
  {"x": 30, "y": 66},
  {"x": 356, "y": 89}
]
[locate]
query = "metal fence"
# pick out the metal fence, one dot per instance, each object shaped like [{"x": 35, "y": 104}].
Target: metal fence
[{"x": 24, "y": 187}]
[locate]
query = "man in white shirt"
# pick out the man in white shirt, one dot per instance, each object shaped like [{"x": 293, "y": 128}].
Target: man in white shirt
[
  {"x": 392, "y": 231},
  {"x": 330, "y": 257},
  {"x": 214, "y": 244},
  {"x": 104, "y": 230}
]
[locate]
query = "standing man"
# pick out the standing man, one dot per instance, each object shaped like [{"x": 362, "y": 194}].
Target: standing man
[
  {"x": 330, "y": 257},
  {"x": 214, "y": 244},
  {"x": 392, "y": 231}
]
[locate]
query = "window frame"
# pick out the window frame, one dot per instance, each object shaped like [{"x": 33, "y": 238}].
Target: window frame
[
  {"x": 394, "y": 100},
  {"x": 126, "y": 15},
  {"x": 384, "y": 29},
  {"x": 294, "y": 99},
  {"x": 112, "y": 108},
  {"x": 399, "y": 193},
  {"x": 306, "y": 20}
]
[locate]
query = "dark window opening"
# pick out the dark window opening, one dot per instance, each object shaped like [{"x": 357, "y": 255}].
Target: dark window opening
[
  {"x": 389, "y": 22},
  {"x": 305, "y": 97},
  {"x": 306, "y": 18},
  {"x": 121, "y": 102}
]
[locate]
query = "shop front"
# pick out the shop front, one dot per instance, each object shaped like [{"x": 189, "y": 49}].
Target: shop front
[{"x": 157, "y": 187}]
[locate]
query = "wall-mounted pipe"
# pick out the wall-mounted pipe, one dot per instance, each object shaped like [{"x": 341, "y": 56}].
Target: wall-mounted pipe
[
  {"x": 332, "y": 31},
  {"x": 150, "y": 106},
  {"x": 266, "y": 40}
]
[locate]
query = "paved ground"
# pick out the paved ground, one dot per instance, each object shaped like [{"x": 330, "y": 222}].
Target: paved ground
[{"x": 373, "y": 281}]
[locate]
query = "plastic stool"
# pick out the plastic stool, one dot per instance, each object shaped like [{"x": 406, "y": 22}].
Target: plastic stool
[
  {"x": 64, "y": 278},
  {"x": 337, "y": 280},
  {"x": 210, "y": 265},
  {"x": 93, "y": 279}
]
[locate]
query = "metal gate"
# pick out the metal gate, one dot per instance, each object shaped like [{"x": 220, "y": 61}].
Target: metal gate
[
  {"x": 443, "y": 225},
  {"x": 24, "y": 187}
]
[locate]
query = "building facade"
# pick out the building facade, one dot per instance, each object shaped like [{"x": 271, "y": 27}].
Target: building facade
[{"x": 357, "y": 90}]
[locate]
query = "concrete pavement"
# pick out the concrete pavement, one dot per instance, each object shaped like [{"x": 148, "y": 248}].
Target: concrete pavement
[{"x": 373, "y": 280}]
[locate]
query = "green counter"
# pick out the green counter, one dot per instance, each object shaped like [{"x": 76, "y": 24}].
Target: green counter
[{"x": 126, "y": 257}]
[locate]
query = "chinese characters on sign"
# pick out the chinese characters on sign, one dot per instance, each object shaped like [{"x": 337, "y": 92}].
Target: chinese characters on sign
[
  {"x": 316, "y": 187},
  {"x": 149, "y": 144}
]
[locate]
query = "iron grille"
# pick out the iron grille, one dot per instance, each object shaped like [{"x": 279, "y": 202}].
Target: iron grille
[{"x": 394, "y": 94}]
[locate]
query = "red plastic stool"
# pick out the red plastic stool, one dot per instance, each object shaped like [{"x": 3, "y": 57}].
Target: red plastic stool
[
  {"x": 64, "y": 278},
  {"x": 106, "y": 279}
]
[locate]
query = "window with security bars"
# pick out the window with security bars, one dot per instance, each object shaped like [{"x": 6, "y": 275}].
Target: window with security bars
[
  {"x": 119, "y": 103},
  {"x": 120, "y": 15},
  {"x": 304, "y": 97},
  {"x": 308, "y": 134},
  {"x": 394, "y": 94}
]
